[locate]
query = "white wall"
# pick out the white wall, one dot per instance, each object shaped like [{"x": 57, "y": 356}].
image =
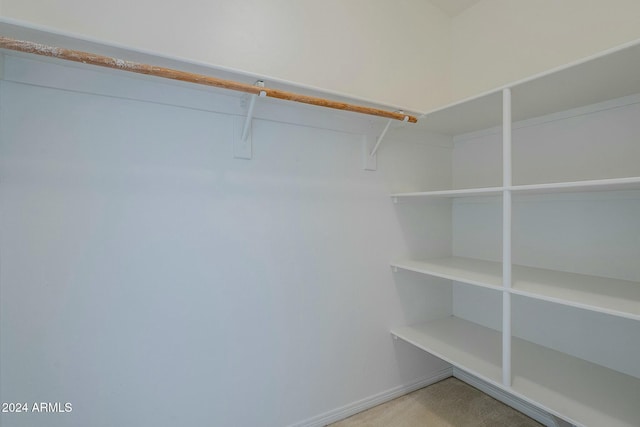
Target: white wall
[
  {"x": 496, "y": 42},
  {"x": 396, "y": 53},
  {"x": 406, "y": 53},
  {"x": 149, "y": 278}
]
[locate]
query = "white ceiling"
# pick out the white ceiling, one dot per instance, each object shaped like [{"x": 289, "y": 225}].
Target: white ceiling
[{"x": 454, "y": 7}]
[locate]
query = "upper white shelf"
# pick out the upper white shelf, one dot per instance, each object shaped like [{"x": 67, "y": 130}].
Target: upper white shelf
[
  {"x": 609, "y": 75},
  {"x": 467, "y": 192},
  {"x": 341, "y": 104},
  {"x": 610, "y": 184},
  {"x": 604, "y": 295}
]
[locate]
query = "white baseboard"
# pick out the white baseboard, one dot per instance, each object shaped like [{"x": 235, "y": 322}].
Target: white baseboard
[
  {"x": 516, "y": 403},
  {"x": 346, "y": 411},
  {"x": 369, "y": 402}
]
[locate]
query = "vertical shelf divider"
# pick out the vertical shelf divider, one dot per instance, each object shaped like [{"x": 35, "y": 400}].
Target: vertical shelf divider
[{"x": 506, "y": 237}]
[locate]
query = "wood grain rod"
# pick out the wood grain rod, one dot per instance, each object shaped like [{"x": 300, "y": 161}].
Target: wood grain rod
[{"x": 168, "y": 73}]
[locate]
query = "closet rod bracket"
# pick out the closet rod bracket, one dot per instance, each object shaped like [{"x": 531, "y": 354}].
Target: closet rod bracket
[
  {"x": 243, "y": 144},
  {"x": 384, "y": 133},
  {"x": 252, "y": 104}
]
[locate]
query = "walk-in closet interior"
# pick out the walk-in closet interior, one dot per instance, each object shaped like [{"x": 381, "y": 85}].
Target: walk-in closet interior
[{"x": 282, "y": 213}]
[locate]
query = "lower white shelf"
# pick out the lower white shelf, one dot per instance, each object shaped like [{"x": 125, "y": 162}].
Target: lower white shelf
[
  {"x": 469, "y": 346},
  {"x": 578, "y": 391}
]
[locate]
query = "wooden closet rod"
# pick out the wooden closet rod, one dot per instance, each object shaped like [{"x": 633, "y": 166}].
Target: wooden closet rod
[{"x": 168, "y": 73}]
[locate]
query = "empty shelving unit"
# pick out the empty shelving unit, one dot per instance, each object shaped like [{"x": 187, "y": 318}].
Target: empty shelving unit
[{"x": 545, "y": 240}]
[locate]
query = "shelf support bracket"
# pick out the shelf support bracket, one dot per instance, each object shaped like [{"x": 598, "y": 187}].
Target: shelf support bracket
[
  {"x": 369, "y": 162},
  {"x": 243, "y": 147},
  {"x": 384, "y": 133},
  {"x": 252, "y": 104}
]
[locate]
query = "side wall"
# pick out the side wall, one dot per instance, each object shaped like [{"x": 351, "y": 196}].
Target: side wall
[
  {"x": 395, "y": 53},
  {"x": 496, "y": 42},
  {"x": 148, "y": 278}
]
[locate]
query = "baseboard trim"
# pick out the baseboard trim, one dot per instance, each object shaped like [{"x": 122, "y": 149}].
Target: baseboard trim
[
  {"x": 516, "y": 403},
  {"x": 369, "y": 402}
]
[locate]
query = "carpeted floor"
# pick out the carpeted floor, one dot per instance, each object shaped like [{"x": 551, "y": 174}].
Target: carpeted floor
[{"x": 449, "y": 403}]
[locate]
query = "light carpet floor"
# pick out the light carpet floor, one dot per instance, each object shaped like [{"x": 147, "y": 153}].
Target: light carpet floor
[{"x": 448, "y": 403}]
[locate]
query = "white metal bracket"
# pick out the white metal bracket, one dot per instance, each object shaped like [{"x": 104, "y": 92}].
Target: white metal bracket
[
  {"x": 369, "y": 162},
  {"x": 384, "y": 133},
  {"x": 243, "y": 145}
]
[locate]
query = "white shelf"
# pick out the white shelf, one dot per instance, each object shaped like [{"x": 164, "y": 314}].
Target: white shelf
[
  {"x": 613, "y": 184},
  {"x": 472, "y": 271},
  {"x": 610, "y": 75},
  {"x": 579, "y": 391},
  {"x": 482, "y": 112},
  {"x": 469, "y": 346},
  {"x": 604, "y": 295},
  {"x": 467, "y": 192},
  {"x": 52, "y": 37}
]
